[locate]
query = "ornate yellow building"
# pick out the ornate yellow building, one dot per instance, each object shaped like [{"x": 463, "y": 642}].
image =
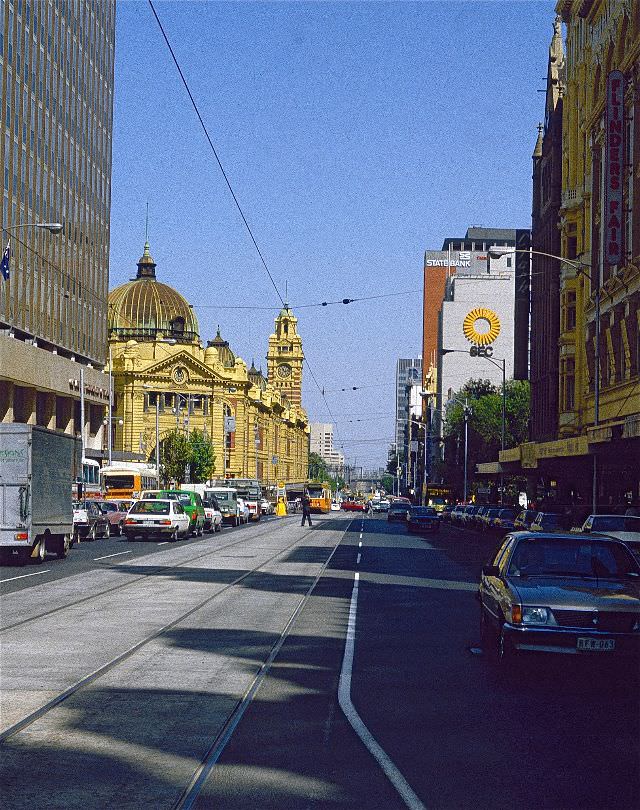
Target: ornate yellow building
[
  {"x": 594, "y": 454},
  {"x": 161, "y": 370}
]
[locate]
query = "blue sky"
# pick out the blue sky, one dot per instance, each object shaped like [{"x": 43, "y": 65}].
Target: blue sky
[{"x": 356, "y": 135}]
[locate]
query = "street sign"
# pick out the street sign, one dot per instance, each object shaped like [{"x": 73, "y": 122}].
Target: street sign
[{"x": 229, "y": 424}]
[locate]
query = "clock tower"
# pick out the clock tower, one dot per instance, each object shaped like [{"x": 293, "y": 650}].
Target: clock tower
[{"x": 285, "y": 357}]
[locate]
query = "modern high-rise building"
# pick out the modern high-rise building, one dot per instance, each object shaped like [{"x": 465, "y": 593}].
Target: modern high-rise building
[
  {"x": 321, "y": 442},
  {"x": 408, "y": 377},
  {"x": 56, "y": 74}
]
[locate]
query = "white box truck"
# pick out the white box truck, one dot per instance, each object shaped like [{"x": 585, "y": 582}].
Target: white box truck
[{"x": 37, "y": 470}]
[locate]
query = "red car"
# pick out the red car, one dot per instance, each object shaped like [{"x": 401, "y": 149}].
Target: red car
[{"x": 353, "y": 506}]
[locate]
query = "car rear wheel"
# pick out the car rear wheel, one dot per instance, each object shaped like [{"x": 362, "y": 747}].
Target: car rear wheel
[
  {"x": 42, "y": 550},
  {"x": 174, "y": 537},
  {"x": 62, "y": 546},
  {"x": 91, "y": 534}
]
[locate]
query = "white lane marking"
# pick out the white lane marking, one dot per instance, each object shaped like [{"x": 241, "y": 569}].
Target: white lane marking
[
  {"x": 106, "y": 557},
  {"x": 164, "y": 543},
  {"x": 360, "y": 544},
  {"x": 359, "y": 558},
  {"x": 344, "y": 699},
  {"x": 22, "y": 576}
]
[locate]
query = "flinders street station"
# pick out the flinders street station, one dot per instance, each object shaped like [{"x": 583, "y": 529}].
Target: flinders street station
[{"x": 164, "y": 379}]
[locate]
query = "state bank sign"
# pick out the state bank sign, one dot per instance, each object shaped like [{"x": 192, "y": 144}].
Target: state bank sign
[{"x": 613, "y": 163}]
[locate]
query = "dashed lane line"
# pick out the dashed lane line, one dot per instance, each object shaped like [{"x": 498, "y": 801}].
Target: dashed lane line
[
  {"x": 107, "y": 556},
  {"x": 22, "y": 576},
  {"x": 359, "y": 558},
  {"x": 392, "y": 773}
]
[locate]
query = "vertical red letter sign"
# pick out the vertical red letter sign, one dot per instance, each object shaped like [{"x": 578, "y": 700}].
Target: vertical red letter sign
[{"x": 613, "y": 168}]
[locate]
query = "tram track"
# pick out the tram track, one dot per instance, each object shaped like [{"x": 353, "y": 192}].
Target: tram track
[
  {"x": 110, "y": 665},
  {"x": 115, "y": 567}
]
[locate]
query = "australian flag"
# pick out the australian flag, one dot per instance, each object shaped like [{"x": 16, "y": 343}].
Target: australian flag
[{"x": 4, "y": 264}]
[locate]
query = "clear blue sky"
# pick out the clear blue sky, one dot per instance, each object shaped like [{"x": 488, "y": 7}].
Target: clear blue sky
[{"x": 356, "y": 136}]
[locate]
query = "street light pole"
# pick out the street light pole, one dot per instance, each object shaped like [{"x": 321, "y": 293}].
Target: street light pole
[{"x": 580, "y": 268}]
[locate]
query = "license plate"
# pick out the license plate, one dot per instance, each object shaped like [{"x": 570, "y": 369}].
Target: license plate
[{"x": 596, "y": 644}]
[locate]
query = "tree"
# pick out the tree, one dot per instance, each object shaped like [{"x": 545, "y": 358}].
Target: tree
[
  {"x": 485, "y": 425},
  {"x": 202, "y": 456},
  {"x": 387, "y": 482},
  {"x": 176, "y": 454}
]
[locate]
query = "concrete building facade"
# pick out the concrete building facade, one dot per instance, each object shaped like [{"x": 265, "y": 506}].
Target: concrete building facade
[
  {"x": 321, "y": 442},
  {"x": 408, "y": 374},
  {"x": 56, "y": 76}
]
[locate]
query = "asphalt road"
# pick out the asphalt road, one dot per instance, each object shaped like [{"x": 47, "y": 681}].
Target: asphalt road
[
  {"x": 88, "y": 555},
  {"x": 553, "y": 734}
]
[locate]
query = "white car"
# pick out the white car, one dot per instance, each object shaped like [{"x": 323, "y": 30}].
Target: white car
[
  {"x": 622, "y": 527},
  {"x": 266, "y": 507},
  {"x": 335, "y": 506},
  {"x": 245, "y": 514},
  {"x": 212, "y": 516},
  {"x": 157, "y": 518}
]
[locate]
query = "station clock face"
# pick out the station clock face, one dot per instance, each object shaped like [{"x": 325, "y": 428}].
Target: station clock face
[
  {"x": 284, "y": 371},
  {"x": 180, "y": 375}
]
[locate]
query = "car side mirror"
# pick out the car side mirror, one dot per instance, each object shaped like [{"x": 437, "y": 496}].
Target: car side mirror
[{"x": 490, "y": 571}]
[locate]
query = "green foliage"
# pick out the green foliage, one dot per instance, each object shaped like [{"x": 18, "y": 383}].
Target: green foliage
[
  {"x": 176, "y": 454},
  {"x": 180, "y": 452},
  {"x": 318, "y": 471},
  {"x": 485, "y": 425},
  {"x": 387, "y": 482},
  {"x": 202, "y": 458}
]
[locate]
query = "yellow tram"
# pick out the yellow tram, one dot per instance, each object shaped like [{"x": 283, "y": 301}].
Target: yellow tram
[{"x": 320, "y": 497}]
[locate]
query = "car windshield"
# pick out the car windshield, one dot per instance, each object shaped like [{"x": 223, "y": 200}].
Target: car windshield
[
  {"x": 571, "y": 558},
  {"x": 615, "y": 523},
  {"x": 423, "y": 510},
  {"x": 225, "y": 498},
  {"x": 510, "y": 514},
  {"x": 151, "y": 508}
]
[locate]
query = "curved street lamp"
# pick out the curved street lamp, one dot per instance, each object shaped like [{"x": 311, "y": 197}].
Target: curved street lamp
[{"x": 584, "y": 269}]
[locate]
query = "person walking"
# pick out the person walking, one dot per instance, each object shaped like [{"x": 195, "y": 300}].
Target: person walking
[{"x": 306, "y": 508}]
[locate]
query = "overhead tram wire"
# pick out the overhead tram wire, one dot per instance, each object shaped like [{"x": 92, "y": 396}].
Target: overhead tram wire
[{"x": 230, "y": 187}]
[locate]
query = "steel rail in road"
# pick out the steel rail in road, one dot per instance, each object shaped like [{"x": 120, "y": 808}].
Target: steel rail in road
[
  {"x": 157, "y": 569},
  {"x": 209, "y": 761},
  {"x": 118, "y": 659}
]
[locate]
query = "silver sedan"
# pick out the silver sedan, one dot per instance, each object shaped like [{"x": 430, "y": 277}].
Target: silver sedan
[{"x": 560, "y": 593}]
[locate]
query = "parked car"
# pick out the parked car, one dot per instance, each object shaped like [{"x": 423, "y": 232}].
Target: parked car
[
  {"x": 457, "y": 512},
  {"x": 422, "y": 519},
  {"x": 476, "y": 518},
  {"x": 504, "y": 521},
  {"x": 622, "y": 527},
  {"x": 560, "y": 592},
  {"x": 89, "y": 522},
  {"x": 487, "y": 517},
  {"x": 266, "y": 507},
  {"x": 245, "y": 514},
  {"x": 468, "y": 516},
  {"x": 445, "y": 515},
  {"x": 399, "y": 509},
  {"x": 548, "y": 522},
  {"x": 335, "y": 506},
  {"x": 116, "y": 513},
  {"x": 384, "y": 505},
  {"x": 212, "y": 514},
  {"x": 191, "y": 502},
  {"x": 157, "y": 517},
  {"x": 524, "y": 519}
]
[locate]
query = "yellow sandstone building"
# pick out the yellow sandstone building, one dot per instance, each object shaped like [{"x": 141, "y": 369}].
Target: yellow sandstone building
[
  {"x": 595, "y": 453},
  {"x": 162, "y": 372}
]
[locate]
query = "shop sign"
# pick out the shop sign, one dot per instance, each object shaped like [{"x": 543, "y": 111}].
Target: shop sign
[
  {"x": 529, "y": 459},
  {"x": 600, "y": 434},
  {"x": 631, "y": 427},
  {"x": 613, "y": 167}
]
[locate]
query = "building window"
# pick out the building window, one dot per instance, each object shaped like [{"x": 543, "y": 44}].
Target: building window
[
  {"x": 568, "y": 371},
  {"x": 177, "y": 326},
  {"x": 569, "y": 311}
]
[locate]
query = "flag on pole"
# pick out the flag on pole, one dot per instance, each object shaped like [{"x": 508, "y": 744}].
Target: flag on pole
[{"x": 4, "y": 264}]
